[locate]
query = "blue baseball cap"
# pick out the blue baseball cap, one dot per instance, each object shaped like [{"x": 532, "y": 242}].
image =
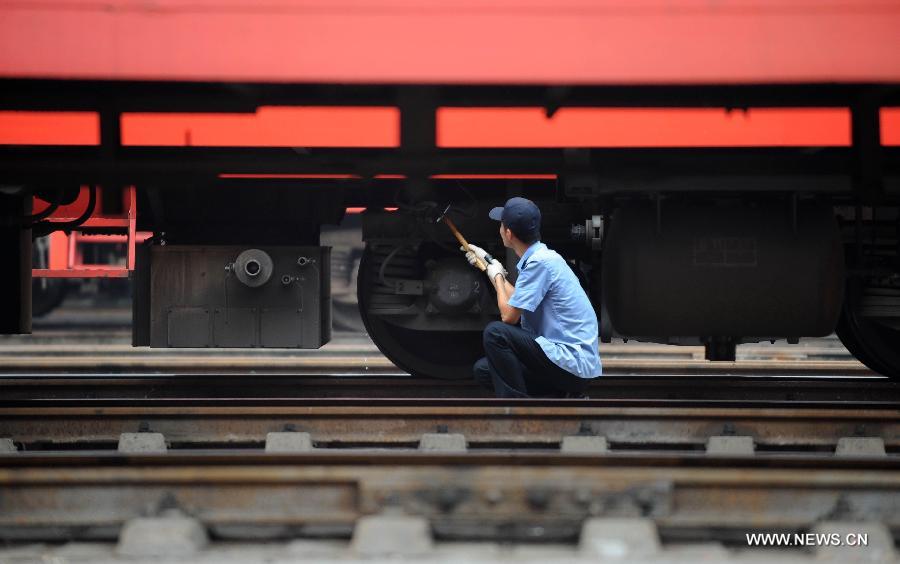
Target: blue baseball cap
[{"x": 521, "y": 216}]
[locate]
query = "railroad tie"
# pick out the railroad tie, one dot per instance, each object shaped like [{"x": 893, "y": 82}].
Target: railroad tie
[
  {"x": 142, "y": 443},
  {"x": 387, "y": 535},
  {"x": 619, "y": 538},
  {"x": 170, "y": 535},
  {"x": 847, "y": 541},
  {"x": 289, "y": 441},
  {"x": 584, "y": 444},
  {"x": 727, "y": 445},
  {"x": 443, "y": 442},
  {"x": 860, "y": 446}
]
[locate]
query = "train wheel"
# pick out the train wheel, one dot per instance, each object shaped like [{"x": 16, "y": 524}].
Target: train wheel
[
  {"x": 873, "y": 340},
  {"x": 445, "y": 355}
]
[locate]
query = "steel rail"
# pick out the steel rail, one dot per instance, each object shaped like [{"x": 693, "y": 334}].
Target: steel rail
[
  {"x": 485, "y": 423},
  {"x": 321, "y": 364},
  {"x": 31, "y": 389},
  {"x": 490, "y": 457}
]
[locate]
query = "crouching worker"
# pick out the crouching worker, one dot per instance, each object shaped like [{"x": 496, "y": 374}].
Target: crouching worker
[{"x": 555, "y": 351}]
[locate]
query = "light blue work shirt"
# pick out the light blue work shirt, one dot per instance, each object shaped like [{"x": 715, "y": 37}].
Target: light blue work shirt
[{"x": 557, "y": 311}]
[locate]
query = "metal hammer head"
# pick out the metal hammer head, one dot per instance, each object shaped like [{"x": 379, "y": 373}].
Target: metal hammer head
[{"x": 439, "y": 217}]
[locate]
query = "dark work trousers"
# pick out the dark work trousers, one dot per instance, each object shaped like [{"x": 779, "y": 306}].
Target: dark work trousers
[{"x": 517, "y": 367}]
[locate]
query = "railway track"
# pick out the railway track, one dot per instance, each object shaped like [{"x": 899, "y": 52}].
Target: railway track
[
  {"x": 349, "y": 479},
  {"x": 679, "y": 505},
  {"x": 725, "y": 389},
  {"x": 398, "y": 423},
  {"x": 314, "y": 454}
]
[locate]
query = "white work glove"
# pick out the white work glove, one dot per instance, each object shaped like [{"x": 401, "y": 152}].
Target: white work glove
[
  {"x": 472, "y": 252},
  {"x": 495, "y": 268}
]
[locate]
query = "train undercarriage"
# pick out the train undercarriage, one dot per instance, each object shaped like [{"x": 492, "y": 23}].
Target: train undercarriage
[
  {"x": 712, "y": 246},
  {"x": 756, "y": 268}
]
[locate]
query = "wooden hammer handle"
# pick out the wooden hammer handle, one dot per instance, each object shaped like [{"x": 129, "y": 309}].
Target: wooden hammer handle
[{"x": 482, "y": 266}]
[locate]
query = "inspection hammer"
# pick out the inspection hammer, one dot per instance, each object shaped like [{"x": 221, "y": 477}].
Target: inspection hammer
[{"x": 480, "y": 263}]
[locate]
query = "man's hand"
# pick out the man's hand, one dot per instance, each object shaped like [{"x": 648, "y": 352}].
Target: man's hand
[
  {"x": 473, "y": 253},
  {"x": 508, "y": 313},
  {"x": 495, "y": 268}
]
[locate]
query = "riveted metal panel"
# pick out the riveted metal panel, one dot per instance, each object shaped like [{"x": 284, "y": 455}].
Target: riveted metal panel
[{"x": 196, "y": 300}]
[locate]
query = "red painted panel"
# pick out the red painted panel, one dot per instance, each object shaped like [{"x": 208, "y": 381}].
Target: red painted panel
[
  {"x": 498, "y": 127},
  {"x": 325, "y": 176},
  {"x": 49, "y": 128},
  {"x": 890, "y": 126},
  {"x": 642, "y": 127},
  {"x": 268, "y": 127},
  {"x": 59, "y": 251},
  {"x": 83, "y": 272},
  {"x": 458, "y": 127},
  {"x": 287, "y": 176},
  {"x": 360, "y": 210},
  {"x": 454, "y": 41},
  {"x": 71, "y": 211}
]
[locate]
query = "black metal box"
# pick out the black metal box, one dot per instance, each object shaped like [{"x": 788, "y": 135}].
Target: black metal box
[{"x": 230, "y": 296}]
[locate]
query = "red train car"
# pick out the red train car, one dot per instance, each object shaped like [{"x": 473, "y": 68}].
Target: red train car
[{"x": 716, "y": 173}]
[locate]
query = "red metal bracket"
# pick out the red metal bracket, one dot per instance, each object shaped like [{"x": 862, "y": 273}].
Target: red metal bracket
[{"x": 66, "y": 258}]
